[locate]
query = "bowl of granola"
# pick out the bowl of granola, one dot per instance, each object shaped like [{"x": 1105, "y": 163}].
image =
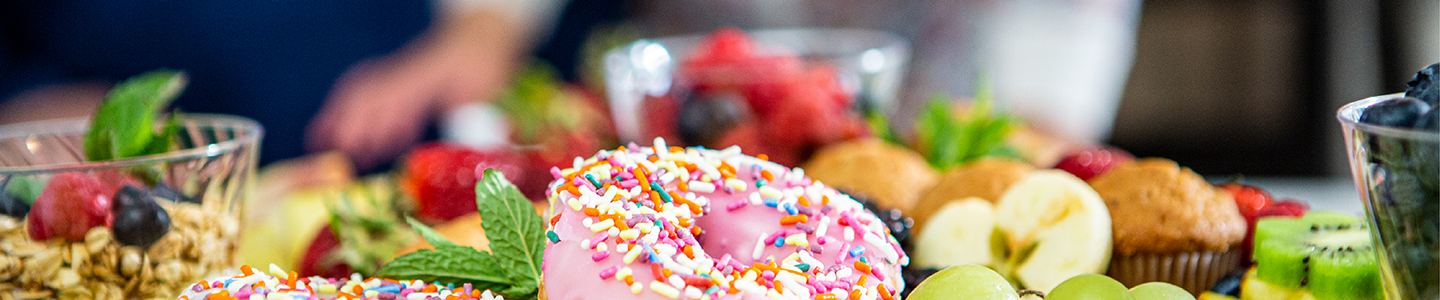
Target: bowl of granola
[{"x": 98, "y": 218}]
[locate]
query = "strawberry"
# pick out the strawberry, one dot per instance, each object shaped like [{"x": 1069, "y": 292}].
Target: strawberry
[
  {"x": 805, "y": 120},
  {"x": 317, "y": 260},
  {"x": 789, "y": 108},
  {"x": 69, "y": 206},
  {"x": 728, "y": 60},
  {"x": 724, "y": 45},
  {"x": 441, "y": 177},
  {"x": 1249, "y": 199},
  {"x": 1287, "y": 207},
  {"x": 1090, "y": 162},
  {"x": 745, "y": 135}
]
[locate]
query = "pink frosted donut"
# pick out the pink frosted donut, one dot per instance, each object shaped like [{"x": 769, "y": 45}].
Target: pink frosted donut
[{"x": 706, "y": 224}]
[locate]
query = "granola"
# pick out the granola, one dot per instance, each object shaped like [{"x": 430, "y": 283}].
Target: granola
[{"x": 201, "y": 242}]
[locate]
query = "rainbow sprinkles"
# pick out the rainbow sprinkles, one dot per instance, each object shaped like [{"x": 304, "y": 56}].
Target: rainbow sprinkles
[
  {"x": 254, "y": 284},
  {"x": 694, "y": 223}
]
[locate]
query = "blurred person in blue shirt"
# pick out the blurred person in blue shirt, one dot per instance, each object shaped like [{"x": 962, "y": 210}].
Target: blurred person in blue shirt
[{"x": 364, "y": 77}]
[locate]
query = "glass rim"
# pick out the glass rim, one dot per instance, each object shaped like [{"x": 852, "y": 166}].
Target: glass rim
[
  {"x": 251, "y": 133},
  {"x": 884, "y": 40},
  {"x": 1349, "y": 115}
]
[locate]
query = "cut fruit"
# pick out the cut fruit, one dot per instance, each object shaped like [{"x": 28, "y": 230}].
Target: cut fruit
[
  {"x": 1047, "y": 228},
  {"x": 1255, "y": 289},
  {"x": 973, "y": 281},
  {"x": 1327, "y": 254},
  {"x": 961, "y": 233},
  {"x": 1063, "y": 219}
]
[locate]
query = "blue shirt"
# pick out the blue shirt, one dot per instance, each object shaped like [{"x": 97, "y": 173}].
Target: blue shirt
[{"x": 274, "y": 61}]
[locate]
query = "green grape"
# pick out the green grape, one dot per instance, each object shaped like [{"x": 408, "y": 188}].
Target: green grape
[
  {"x": 1089, "y": 287},
  {"x": 973, "y": 281},
  {"x": 1159, "y": 291}
]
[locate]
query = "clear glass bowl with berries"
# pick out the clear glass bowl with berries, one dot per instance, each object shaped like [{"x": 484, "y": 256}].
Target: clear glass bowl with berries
[
  {"x": 141, "y": 226},
  {"x": 1394, "y": 151},
  {"x": 782, "y": 92}
]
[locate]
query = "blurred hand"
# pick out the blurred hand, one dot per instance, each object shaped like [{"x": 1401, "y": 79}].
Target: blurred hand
[{"x": 380, "y": 107}]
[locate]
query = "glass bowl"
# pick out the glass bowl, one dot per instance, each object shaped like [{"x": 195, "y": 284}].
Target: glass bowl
[
  {"x": 50, "y": 190},
  {"x": 1395, "y": 172},
  {"x": 654, "y": 84}
]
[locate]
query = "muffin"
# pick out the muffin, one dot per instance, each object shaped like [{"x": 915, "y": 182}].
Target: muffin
[
  {"x": 985, "y": 179},
  {"x": 1169, "y": 225},
  {"x": 853, "y": 167}
]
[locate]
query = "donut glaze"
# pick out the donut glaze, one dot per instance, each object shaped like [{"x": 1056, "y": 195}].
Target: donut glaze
[{"x": 705, "y": 224}]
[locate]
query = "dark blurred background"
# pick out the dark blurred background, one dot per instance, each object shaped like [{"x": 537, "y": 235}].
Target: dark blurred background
[
  {"x": 1233, "y": 87},
  {"x": 1230, "y": 87},
  {"x": 1225, "y": 87}
]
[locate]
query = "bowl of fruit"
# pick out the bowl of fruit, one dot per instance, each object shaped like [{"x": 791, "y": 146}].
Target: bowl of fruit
[
  {"x": 126, "y": 204},
  {"x": 1394, "y": 148},
  {"x": 783, "y": 92}
]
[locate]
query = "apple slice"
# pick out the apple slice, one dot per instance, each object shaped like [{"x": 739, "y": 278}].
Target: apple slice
[
  {"x": 962, "y": 234},
  {"x": 1056, "y": 227},
  {"x": 1047, "y": 227}
]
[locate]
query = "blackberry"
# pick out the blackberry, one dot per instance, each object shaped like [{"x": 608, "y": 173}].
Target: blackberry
[
  {"x": 913, "y": 276},
  {"x": 1425, "y": 85},
  {"x": 898, "y": 223},
  {"x": 139, "y": 221}
]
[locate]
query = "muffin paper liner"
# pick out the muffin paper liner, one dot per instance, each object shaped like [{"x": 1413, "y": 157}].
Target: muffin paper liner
[{"x": 1194, "y": 271}]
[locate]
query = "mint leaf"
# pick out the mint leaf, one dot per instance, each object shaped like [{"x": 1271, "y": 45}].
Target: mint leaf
[
  {"x": 434, "y": 238},
  {"x": 166, "y": 138},
  {"x": 123, "y": 126},
  {"x": 948, "y": 139},
  {"x": 515, "y": 231},
  {"x": 449, "y": 264},
  {"x": 880, "y": 126}
]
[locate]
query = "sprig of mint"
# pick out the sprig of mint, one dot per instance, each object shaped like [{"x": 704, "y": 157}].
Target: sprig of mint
[
  {"x": 517, "y": 243},
  {"x": 124, "y": 125},
  {"x": 369, "y": 234},
  {"x": 947, "y": 139}
]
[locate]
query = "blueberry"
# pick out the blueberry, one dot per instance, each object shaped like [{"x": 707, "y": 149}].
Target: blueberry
[
  {"x": 12, "y": 201},
  {"x": 139, "y": 221},
  {"x": 1430, "y": 120},
  {"x": 11, "y": 206},
  {"x": 1229, "y": 284},
  {"x": 1403, "y": 112},
  {"x": 166, "y": 192},
  {"x": 1425, "y": 85},
  {"x": 705, "y": 116}
]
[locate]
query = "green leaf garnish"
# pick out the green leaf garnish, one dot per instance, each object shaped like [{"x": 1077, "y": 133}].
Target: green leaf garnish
[
  {"x": 432, "y": 237},
  {"x": 517, "y": 243},
  {"x": 515, "y": 231},
  {"x": 124, "y": 125},
  {"x": 947, "y": 139},
  {"x": 369, "y": 234},
  {"x": 449, "y": 264}
]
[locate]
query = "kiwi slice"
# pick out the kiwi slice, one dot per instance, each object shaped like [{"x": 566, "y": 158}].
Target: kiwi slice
[{"x": 1328, "y": 254}]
